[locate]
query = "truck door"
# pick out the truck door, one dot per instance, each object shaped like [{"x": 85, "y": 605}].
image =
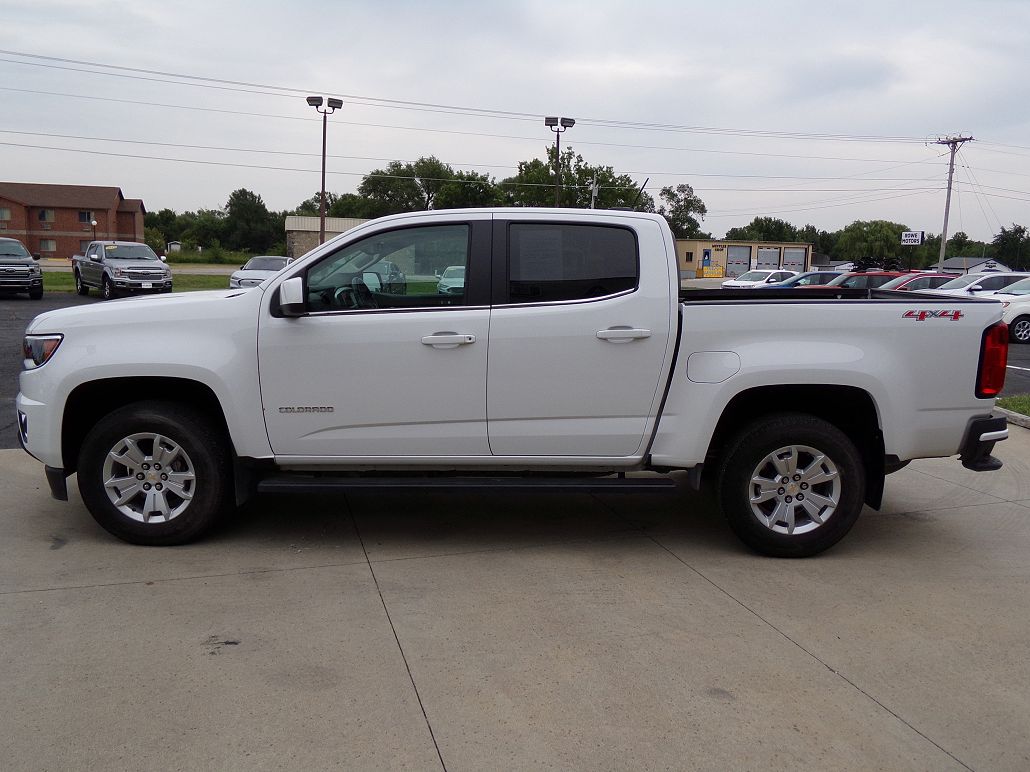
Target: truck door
[
  {"x": 579, "y": 336},
  {"x": 90, "y": 270},
  {"x": 384, "y": 370}
]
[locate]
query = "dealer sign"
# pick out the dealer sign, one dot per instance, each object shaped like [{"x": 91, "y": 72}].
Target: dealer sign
[{"x": 914, "y": 238}]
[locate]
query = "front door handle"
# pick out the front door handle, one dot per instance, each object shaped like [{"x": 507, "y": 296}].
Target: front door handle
[
  {"x": 623, "y": 334},
  {"x": 447, "y": 340}
]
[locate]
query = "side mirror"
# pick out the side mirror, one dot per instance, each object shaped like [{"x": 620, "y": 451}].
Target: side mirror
[
  {"x": 243, "y": 266},
  {"x": 164, "y": 259},
  {"x": 372, "y": 281},
  {"x": 95, "y": 258},
  {"x": 291, "y": 297},
  {"x": 975, "y": 288},
  {"x": 35, "y": 255}
]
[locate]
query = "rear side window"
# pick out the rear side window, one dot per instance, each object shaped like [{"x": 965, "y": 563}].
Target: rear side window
[{"x": 549, "y": 263}]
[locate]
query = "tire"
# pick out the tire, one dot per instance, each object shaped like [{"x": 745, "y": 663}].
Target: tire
[
  {"x": 778, "y": 524},
  {"x": 1019, "y": 330},
  {"x": 80, "y": 288},
  {"x": 148, "y": 440},
  {"x": 107, "y": 289},
  {"x": 36, "y": 294}
]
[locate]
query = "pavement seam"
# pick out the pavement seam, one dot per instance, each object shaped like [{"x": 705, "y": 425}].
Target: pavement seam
[
  {"x": 396, "y": 637},
  {"x": 765, "y": 621}
]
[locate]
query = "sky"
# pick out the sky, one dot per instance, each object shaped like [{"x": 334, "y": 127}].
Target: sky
[{"x": 812, "y": 112}]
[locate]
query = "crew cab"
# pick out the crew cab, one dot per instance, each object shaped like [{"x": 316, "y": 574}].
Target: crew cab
[
  {"x": 19, "y": 270},
  {"x": 120, "y": 267},
  {"x": 567, "y": 359}
]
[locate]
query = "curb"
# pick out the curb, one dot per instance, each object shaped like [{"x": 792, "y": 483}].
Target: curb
[{"x": 1014, "y": 418}]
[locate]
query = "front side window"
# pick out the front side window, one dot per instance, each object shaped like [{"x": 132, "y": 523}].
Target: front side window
[
  {"x": 46, "y": 215},
  {"x": 551, "y": 263},
  {"x": 421, "y": 267},
  {"x": 855, "y": 282}
]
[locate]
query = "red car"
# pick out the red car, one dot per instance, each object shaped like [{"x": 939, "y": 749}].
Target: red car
[
  {"x": 918, "y": 281},
  {"x": 861, "y": 280}
]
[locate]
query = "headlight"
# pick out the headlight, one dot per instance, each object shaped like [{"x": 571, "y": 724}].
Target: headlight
[
  {"x": 39, "y": 348},
  {"x": 36, "y": 270},
  {"x": 116, "y": 272}
]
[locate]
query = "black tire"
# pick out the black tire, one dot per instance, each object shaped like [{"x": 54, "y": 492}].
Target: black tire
[
  {"x": 1019, "y": 330},
  {"x": 80, "y": 288},
  {"x": 107, "y": 291},
  {"x": 744, "y": 460},
  {"x": 36, "y": 293},
  {"x": 206, "y": 458}
]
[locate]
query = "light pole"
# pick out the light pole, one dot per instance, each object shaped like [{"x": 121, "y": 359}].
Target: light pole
[
  {"x": 332, "y": 105},
  {"x": 558, "y": 125},
  {"x": 94, "y": 224}
]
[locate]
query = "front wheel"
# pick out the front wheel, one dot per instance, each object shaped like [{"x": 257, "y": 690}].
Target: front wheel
[
  {"x": 1019, "y": 330},
  {"x": 791, "y": 485},
  {"x": 155, "y": 473},
  {"x": 36, "y": 293},
  {"x": 107, "y": 289}
]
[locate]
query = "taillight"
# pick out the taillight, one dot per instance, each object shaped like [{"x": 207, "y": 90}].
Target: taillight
[{"x": 994, "y": 355}]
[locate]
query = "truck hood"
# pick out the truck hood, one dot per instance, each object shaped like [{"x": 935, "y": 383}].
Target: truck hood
[
  {"x": 152, "y": 265},
  {"x": 167, "y": 311}
]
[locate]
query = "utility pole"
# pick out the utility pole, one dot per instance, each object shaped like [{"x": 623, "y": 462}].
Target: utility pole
[
  {"x": 954, "y": 143},
  {"x": 594, "y": 189}
]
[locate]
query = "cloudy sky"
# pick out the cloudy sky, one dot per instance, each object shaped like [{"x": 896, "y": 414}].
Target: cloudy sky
[{"x": 799, "y": 110}]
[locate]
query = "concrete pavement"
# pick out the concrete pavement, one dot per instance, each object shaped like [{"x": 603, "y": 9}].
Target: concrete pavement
[{"x": 477, "y": 631}]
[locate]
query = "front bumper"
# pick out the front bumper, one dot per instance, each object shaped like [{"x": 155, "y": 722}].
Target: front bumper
[
  {"x": 21, "y": 284},
  {"x": 136, "y": 285},
  {"x": 982, "y": 434}
]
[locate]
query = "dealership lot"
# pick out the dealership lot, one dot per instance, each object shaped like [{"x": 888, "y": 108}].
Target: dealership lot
[{"x": 475, "y": 630}]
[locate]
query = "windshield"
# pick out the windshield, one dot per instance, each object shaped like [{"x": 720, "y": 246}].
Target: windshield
[
  {"x": 1019, "y": 288},
  {"x": 265, "y": 264},
  {"x": 962, "y": 281},
  {"x": 129, "y": 252},
  {"x": 454, "y": 272},
  {"x": 754, "y": 276},
  {"x": 13, "y": 249}
]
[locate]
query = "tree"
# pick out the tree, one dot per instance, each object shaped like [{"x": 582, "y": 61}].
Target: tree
[
  {"x": 311, "y": 206},
  {"x": 822, "y": 241},
  {"x": 154, "y": 238},
  {"x": 248, "y": 224},
  {"x": 404, "y": 187},
  {"x": 868, "y": 243},
  {"x": 1011, "y": 246},
  {"x": 467, "y": 189},
  {"x": 679, "y": 208},
  {"x": 764, "y": 229}
]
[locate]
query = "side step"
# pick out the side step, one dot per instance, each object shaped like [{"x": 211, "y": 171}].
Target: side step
[{"x": 329, "y": 484}]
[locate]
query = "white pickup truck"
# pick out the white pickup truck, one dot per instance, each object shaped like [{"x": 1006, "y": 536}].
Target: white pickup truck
[{"x": 569, "y": 357}]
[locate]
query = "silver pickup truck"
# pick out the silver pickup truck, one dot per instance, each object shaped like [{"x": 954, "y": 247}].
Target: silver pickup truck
[
  {"x": 19, "y": 270},
  {"x": 120, "y": 267}
]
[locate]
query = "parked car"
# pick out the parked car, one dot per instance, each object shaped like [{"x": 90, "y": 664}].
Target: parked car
[
  {"x": 806, "y": 279},
  {"x": 1015, "y": 302},
  {"x": 979, "y": 283},
  {"x": 452, "y": 280},
  {"x": 120, "y": 267},
  {"x": 257, "y": 269},
  {"x": 19, "y": 270},
  {"x": 758, "y": 279},
  {"x": 862, "y": 279},
  {"x": 170, "y": 410},
  {"x": 917, "y": 281}
]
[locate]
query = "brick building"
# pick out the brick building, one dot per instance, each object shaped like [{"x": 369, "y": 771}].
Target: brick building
[{"x": 55, "y": 220}]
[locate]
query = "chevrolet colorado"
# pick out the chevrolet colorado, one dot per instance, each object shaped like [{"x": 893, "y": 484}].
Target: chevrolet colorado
[{"x": 569, "y": 357}]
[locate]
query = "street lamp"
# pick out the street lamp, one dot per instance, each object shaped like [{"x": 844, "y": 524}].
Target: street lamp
[
  {"x": 94, "y": 224},
  {"x": 558, "y": 125},
  {"x": 332, "y": 105}
]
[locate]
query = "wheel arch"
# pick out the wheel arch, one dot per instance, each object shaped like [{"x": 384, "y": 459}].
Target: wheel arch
[
  {"x": 849, "y": 408},
  {"x": 91, "y": 401}
]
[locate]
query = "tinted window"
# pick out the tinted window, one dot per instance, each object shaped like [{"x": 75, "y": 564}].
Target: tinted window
[
  {"x": 265, "y": 264},
  {"x": 393, "y": 269},
  {"x": 855, "y": 282},
  {"x": 569, "y": 262},
  {"x": 876, "y": 281}
]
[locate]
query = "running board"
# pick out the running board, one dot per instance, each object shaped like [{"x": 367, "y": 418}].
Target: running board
[{"x": 328, "y": 484}]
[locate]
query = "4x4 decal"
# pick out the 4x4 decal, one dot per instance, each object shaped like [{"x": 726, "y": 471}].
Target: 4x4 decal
[{"x": 922, "y": 316}]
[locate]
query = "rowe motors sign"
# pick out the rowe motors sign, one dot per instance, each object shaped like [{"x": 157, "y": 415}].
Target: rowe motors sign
[{"x": 912, "y": 238}]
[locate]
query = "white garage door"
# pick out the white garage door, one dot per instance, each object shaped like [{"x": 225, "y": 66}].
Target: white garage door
[{"x": 738, "y": 260}]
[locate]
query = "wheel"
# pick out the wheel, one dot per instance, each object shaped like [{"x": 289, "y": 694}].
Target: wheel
[
  {"x": 155, "y": 473},
  {"x": 791, "y": 485},
  {"x": 107, "y": 289},
  {"x": 80, "y": 288},
  {"x": 1019, "y": 330},
  {"x": 36, "y": 294}
]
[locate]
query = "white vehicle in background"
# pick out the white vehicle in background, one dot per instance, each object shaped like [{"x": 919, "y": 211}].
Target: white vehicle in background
[
  {"x": 567, "y": 359},
  {"x": 978, "y": 283},
  {"x": 257, "y": 269},
  {"x": 753, "y": 279},
  {"x": 1015, "y": 302},
  {"x": 452, "y": 280}
]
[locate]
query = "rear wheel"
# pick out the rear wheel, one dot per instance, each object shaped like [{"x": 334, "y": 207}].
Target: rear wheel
[
  {"x": 1019, "y": 330},
  {"x": 80, "y": 288},
  {"x": 791, "y": 485},
  {"x": 155, "y": 473}
]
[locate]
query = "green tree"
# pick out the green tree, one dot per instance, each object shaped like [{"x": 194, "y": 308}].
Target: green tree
[
  {"x": 764, "y": 229},
  {"x": 154, "y": 238},
  {"x": 682, "y": 208},
  {"x": 349, "y": 205},
  {"x": 1011, "y": 246},
  {"x": 868, "y": 243},
  {"x": 248, "y": 225},
  {"x": 404, "y": 187},
  {"x": 466, "y": 190},
  {"x": 822, "y": 241},
  {"x": 311, "y": 206}
]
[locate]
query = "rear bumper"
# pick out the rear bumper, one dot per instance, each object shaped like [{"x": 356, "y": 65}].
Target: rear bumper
[{"x": 981, "y": 436}]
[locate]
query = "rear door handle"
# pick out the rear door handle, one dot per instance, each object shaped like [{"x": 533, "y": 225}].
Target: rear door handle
[
  {"x": 623, "y": 334},
  {"x": 447, "y": 340}
]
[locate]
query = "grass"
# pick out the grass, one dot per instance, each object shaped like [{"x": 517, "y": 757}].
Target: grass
[
  {"x": 212, "y": 256},
  {"x": 1020, "y": 403},
  {"x": 55, "y": 281}
]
